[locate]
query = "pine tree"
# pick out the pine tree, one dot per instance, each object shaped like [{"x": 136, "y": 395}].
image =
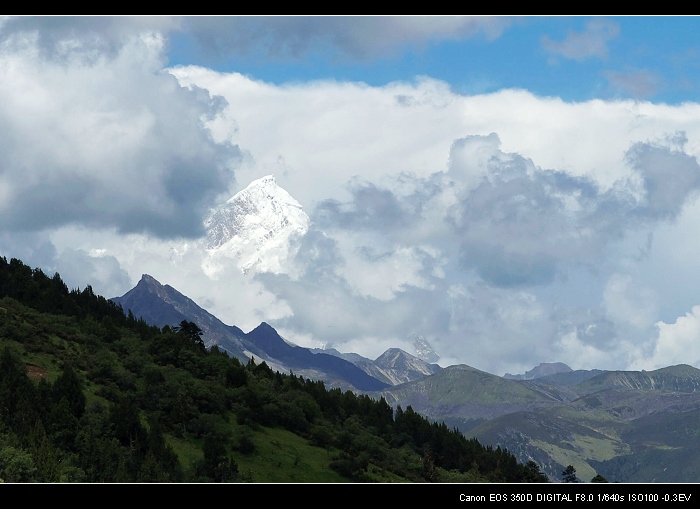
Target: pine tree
[
  {"x": 217, "y": 465},
  {"x": 569, "y": 474},
  {"x": 68, "y": 386}
]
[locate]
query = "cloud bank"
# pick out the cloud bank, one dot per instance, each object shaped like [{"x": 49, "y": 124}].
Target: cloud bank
[
  {"x": 507, "y": 229},
  {"x": 105, "y": 141}
]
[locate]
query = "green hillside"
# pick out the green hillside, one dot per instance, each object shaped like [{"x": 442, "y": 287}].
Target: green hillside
[
  {"x": 464, "y": 397},
  {"x": 623, "y": 434},
  {"x": 680, "y": 378},
  {"x": 624, "y": 425},
  {"x": 88, "y": 394}
]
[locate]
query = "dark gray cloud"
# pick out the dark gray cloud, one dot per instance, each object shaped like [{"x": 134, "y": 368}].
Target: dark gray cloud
[
  {"x": 371, "y": 208},
  {"x": 356, "y": 37},
  {"x": 331, "y": 310},
  {"x": 318, "y": 255},
  {"x": 34, "y": 249},
  {"x": 503, "y": 268},
  {"x": 521, "y": 225},
  {"x": 110, "y": 142},
  {"x": 282, "y": 37},
  {"x": 58, "y": 37},
  {"x": 102, "y": 272},
  {"x": 517, "y": 226},
  {"x": 670, "y": 177},
  {"x": 514, "y": 224},
  {"x": 600, "y": 333},
  {"x": 592, "y": 326}
]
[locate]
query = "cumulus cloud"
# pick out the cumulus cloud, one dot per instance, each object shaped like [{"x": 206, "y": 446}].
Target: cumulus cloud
[
  {"x": 469, "y": 241},
  {"x": 499, "y": 227},
  {"x": 371, "y": 207},
  {"x": 106, "y": 141},
  {"x": 591, "y": 43},
  {"x": 491, "y": 225},
  {"x": 675, "y": 343},
  {"x": 512, "y": 222},
  {"x": 597, "y": 330},
  {"x": 669, "y": 175}
]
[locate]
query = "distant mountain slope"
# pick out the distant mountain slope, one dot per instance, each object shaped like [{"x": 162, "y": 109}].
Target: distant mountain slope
[
  {"x": 396, "y": 367},
  {"x": 681, "y": 378},
  {"x": 544, "y": 369},
  {"x": 163, "y": 305},
  {"x": 350, "y": 357},
  {"x": 464, "y": 396},
  {"x": 556, "y": 373},
  {"x": 623, "y": 425},
  {"x": 571, "y": 377},
  {"x": 552, "y": 441},
  {"x": 664, "y": 448},
  {"x": 599, "y": 425},
  {"x": 267, "y": 339},
  {"x": 624, "y": 434}
]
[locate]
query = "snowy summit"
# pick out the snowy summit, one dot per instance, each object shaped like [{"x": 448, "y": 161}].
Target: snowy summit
[{"x": 254, "y": 228}]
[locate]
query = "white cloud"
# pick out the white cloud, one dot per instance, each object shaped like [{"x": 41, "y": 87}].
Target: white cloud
[
  {"x": 629, "y": 302},
  {"x": 324, "y": 133},
  {"x": 676, "y": 343},
  {"x": 493, "y": 225},
  {"x": 580, "y": 355},
  {"x": 399, "y": 195}
]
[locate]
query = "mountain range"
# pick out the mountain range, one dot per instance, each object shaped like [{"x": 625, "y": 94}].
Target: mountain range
[
  {"x": 162, "y": 305},
  {"x": 624, "y": 425},
  {"x": 602, "y": 422},
  {"x": 619, "y": 424}
]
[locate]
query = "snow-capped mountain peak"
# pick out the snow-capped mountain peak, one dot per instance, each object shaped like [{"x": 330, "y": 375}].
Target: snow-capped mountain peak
[{"x": 254, "y": 228}]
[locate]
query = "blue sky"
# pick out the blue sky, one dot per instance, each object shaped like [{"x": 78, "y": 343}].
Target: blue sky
[
  {"x": 512, "y": 190},
  {"x": 575, "y": 58}
]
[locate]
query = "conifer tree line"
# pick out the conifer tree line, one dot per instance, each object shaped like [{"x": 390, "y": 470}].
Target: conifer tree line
[{"x": 110, "y": 398}]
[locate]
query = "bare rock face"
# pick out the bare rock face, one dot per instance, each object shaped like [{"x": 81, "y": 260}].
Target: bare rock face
[
  {"x": 397, "y": 367},
  {"x": 424, "y": 350}
]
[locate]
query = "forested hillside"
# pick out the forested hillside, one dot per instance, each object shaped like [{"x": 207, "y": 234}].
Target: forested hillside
[{"x": 88, "y": 394}]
